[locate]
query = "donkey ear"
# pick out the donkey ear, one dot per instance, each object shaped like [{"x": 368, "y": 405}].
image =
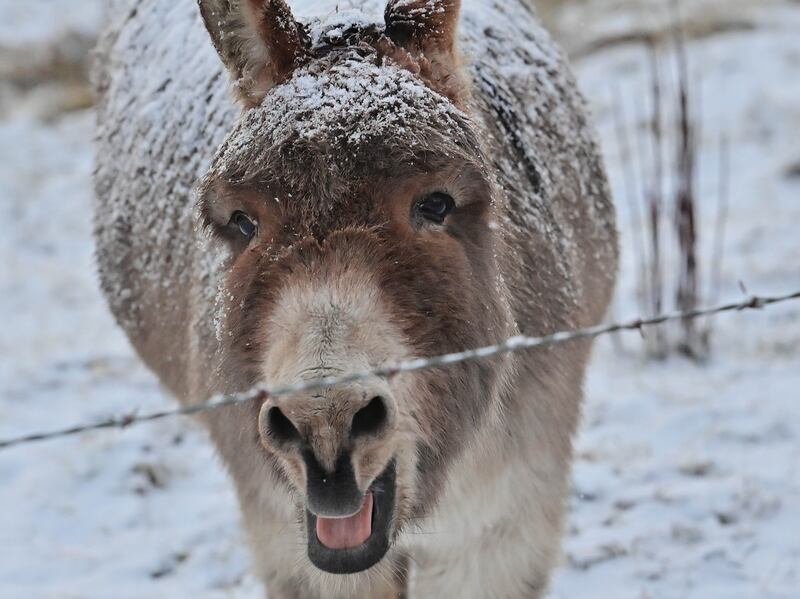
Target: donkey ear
[
  {"x": 427, "y": 26},
  {"x": 428, "y": 30},
  {"x": 259, "y": 42}
]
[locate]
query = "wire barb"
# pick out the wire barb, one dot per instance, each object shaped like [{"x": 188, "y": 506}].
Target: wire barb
[{"x": 513, "y": 345}]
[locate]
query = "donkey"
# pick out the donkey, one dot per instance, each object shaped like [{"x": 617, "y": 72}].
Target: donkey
[{"x": 385, "y": 182}]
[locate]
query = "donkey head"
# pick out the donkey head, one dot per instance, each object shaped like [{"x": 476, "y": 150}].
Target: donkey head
[{"x": 353, "y": 204}]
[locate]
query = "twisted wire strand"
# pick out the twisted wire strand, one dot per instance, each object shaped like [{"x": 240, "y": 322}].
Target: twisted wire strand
[{"x": 511, "y": 345}]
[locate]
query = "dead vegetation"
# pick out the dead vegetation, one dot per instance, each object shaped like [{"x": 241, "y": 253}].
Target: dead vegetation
[
  {"x": 660, "y": 178},
  {"x": 661, "y": 157},
  {"x": 46, "y": 81}
]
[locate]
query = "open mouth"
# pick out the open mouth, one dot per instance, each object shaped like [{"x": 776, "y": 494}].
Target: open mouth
[{"x": 358, "y": 542}]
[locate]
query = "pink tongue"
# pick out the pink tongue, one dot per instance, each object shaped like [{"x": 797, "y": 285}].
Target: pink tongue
[{"x": 347, "y": 533}]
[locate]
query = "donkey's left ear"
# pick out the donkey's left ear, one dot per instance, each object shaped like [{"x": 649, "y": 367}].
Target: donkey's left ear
[
  {"x": 427, "y": 26},
  {"x": 258, "y": 40},
  {"x": 428, "y": 30}
]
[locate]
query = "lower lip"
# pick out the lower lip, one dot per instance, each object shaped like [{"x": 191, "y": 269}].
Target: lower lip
[{"x": 371, "y": 551}]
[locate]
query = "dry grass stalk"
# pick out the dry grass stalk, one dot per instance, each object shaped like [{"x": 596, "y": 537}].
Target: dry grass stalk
[
  {"x": 655, "y": 200},
  {"x": 687, "y": 296},
  {"x": 718, "y": 252},
  {"x": 669, "y": 190}
]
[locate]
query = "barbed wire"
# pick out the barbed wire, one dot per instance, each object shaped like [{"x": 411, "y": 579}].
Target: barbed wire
[{"x": 512, "y": 345}]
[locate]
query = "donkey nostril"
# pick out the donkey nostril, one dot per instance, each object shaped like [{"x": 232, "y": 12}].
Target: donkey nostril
[
  {"x": 371, "y": 419},
  {"x": 280, "y": 429}
]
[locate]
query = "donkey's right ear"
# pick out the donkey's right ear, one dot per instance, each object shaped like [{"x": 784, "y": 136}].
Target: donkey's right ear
[{"x": 259, "y": 42}]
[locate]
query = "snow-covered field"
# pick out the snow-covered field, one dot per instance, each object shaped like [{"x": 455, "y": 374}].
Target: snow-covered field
[{"x": 687, "y": 482}]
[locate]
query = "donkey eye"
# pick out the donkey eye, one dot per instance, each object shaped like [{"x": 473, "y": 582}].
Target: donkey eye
[
  {"x": 246, "y": 226},
  {"x": 436, "y": 207}
]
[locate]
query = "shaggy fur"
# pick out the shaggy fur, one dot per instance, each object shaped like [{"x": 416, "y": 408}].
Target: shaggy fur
[{"x": 343, "y": 130}]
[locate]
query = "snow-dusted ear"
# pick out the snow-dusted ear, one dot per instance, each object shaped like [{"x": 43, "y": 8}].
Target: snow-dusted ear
[
  {"x": 428, "y": 30},
  {"x": 427, "y": 26},
  {"x": 259, "y": 42}
]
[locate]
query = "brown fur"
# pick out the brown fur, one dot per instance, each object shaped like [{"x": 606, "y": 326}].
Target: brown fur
[
  {"x": 261, "y": 44},
  {"x": 344, "y": 275}
]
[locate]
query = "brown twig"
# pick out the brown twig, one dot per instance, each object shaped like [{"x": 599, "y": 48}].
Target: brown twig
[
  {"x": 655, "y": 198},
  {"x": 685, "y": 200}
]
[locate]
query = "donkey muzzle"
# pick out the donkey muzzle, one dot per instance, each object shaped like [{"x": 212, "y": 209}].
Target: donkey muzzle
[{"x": 348, "y": 515}]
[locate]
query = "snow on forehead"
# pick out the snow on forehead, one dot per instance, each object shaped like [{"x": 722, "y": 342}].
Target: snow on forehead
[{"x": 342, "y": 106}]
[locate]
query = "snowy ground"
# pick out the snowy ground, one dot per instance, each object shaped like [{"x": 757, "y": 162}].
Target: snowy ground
[{"x": 688, "y": 477}]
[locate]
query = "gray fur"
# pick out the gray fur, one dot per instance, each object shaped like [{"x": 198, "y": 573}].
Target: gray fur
[{"x": 167, "y": 123}]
